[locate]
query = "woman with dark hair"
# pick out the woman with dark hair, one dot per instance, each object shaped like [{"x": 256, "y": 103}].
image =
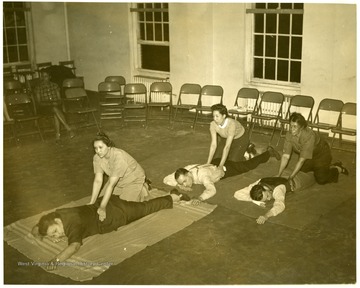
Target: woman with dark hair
[
  {"x": 229, "y": 139},
  {"x": 126, "y": 176},
  {"x": 314, "y": 152}
]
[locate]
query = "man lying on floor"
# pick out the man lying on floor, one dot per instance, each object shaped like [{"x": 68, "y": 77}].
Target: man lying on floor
[
  {"x": 208, "y": 174},
  {"x": 77, "y": 223},
  {"x": 266, "y": 189}
]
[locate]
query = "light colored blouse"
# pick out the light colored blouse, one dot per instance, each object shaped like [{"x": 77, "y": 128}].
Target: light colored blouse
[{"x": 231, "y": 127}]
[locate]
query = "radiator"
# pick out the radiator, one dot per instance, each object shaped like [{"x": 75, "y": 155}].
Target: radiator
[{"x": 147, "y": 81}]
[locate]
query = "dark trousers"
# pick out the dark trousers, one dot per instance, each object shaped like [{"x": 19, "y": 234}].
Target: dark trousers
[
  {"x": 120, "y": 212},
  {"x": 237, "y": 149},
  {"x": 240, "y": 167},
  {"x": 320, "y": 164}
]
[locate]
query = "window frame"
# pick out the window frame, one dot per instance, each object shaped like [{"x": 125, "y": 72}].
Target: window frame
[
  {"x": 136, "y": 43},
  {"x": 249, "y": 52}
]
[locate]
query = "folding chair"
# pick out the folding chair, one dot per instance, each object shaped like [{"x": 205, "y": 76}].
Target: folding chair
[
  {"x": 188, "y": 99},
  {"x": 298, "y": 103},
  {"x": 209, "y": 95},
  {"x": 118, "y": 79},
  {"x": 344, "y": 127},
  {"x": 268, "y": 111},
  {"x": 76, "y": 101},
  {"x": 70, "y": 64},
  {"x": 160, "y": 96},
  {"x": 245, "y": 103},
  {"x": 327, "y": 114},
  {"x": 21, "y": 108},
  {"x": 138, "y": 93},
  {"x": 111, "y": 101}
]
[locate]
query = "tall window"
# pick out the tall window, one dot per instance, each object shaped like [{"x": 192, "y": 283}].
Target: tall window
[
  {"x": 15, "y": 34},
  {"x": 277, "y": 45},
  {"x": 153, "y": 36}
]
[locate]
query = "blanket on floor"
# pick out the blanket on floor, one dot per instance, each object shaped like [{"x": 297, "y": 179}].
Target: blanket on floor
[{"x": 99, "y": 252}]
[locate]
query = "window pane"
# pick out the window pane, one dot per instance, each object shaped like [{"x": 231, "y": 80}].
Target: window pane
[
  {"x": 260, "y": 5},
  {"x": 299, "y": 5},
  {"x": 5, "y": 55},
  {"x": 13, "y": 54},
  {"x": 270, "y": 46},
  {"x": 149, "y": 5},
  {"x": 149, "y": 32},
  {"x": 166, "y": 32},
  {"x": 295, "y": 72},
  {"x": 140, "y": 5},
  {"x": 273, "y": 5},
  {"x": 142, "y": 31},
  {"x": 259, "y": 45},
  {"x": 157, "y": 5},
  {"x": 165, "y": 16},
  {"x": 11, "y": 36},
  {"x": 155, "y": 57},
  {"x": 165, "y": 5},
  {"x": 296, "y": 47},
  {"x": 141, "y": 16},
  {"x": 149, "y": 16},
  {"x": 270, "y": 69},
  {"x": 297, "y": 24},
  {"x": 258, "y": 68},
  {"x": 8, "y": 4},
  {"x": 19, "y": 5},
  {"x": 9, "y": 19},
  {"x": 271, "y": 23},
  {"x": 259, "y": 23},
  {"x": 24, "y": 55},
  {"x": 157, "y": 16},
  {"x": 283, "y": 70},
  {"x": 286, "y": 6},
  {"x": 158, "y": 32},
  {"x": 22, "y": 39},
  {"x": 20, "y": 18},
  {"x": 284, "y": 24},
  {"x": 283, "y": 49}
]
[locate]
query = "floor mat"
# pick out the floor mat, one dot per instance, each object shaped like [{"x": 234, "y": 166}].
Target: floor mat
[{"x": 99, "y": 252}]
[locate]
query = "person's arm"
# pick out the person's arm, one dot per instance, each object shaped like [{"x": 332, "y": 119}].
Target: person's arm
[
  {"x": 284, "y": 161},
  {"x": 209, "y": 191},
  {"x": 35, "y": 232},
  {"x": 278, "y": 206},
  {"x": 98, "y": 180},
  {"x": 107, "y": 194},
  {"x": 213, "y": 145},
  {"x": 63, "y": 255},
  {"x": 297, "y": 168},
  {"x": 226, "y": 150},
  {"x": 244, "y": 194}
]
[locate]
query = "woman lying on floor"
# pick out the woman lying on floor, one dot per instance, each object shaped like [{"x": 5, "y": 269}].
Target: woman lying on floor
[{"x": 78, "y": 223}]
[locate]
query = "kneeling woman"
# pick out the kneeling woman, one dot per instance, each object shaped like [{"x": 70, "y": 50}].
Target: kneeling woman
[
  {"x": 126, "y": 176},
  {"x": 229, "y": 139}
]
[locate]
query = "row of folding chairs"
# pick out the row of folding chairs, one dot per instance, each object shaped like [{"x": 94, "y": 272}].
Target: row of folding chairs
[{"x": 24, "y": 109}]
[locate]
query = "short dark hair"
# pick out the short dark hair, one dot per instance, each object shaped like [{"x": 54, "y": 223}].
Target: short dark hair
[
  {"x": 46, "y": 221},
  {"x": 221, "y": 108},
  {"x": 256, "y": 192},
  {"x": 101, "y": 136},
  {"x": 299, "y": 119},
  {"x": 179, "y": 172}
]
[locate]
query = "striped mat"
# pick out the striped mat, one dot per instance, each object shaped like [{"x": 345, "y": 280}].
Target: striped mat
[{"x": 99, "y": 252}]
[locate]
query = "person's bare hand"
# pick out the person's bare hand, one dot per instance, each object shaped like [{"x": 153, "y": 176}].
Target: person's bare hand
[
  {"x": 261, "y": 219},
  {"x": 102, "y": 214}
]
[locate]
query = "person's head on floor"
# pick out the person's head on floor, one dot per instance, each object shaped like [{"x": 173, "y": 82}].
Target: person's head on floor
[
  {"x": 102, "y": 144},
  {"x": 220, "y": 113},
  {"x": 259, "y": 193},
  {"x": 51, "y": 225},
  {"x": 297, "y": 123},
  {"x": 184, "y": 177}
]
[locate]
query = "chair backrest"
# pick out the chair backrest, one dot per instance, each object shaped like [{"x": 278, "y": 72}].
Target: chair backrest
[
  {"x": 271, "y": 103},
  {"x": 73, "y": 83},
  {"x": 109, "y": 87},
  {"x": 247, "y": 97},
  {"x": 298, "y": 102},
  {"x": 347, "y": 118},
  {"x": 189, "y": 94},
  {"x": 74, "y": 88},
  {"x": 209, "y": 92},
  {"x": 328, "y": 111},
  {"x": 119, "y": 79},
  {"x": 42, "y": 65},
  {"x": 162, "y": 91},
  {"x": 12, "y": 86},
  {"x": 349, "y": 108},
  {"x": 137, "y": 90}
]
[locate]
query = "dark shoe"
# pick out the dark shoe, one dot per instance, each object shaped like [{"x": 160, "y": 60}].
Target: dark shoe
[
  {"x": 182, "y": 195},
  {"x": 251, "y": 149},
  {"x": 148, "y": 183},
  {"x": 274, "y": 153},
  {"x": 343, "y": 169}
]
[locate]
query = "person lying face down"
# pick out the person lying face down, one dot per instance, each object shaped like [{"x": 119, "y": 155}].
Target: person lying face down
[
  {"x": 273, "y": 188},
  {"x": 78, "y": 223},
  {"x": 209, "y": 174}
]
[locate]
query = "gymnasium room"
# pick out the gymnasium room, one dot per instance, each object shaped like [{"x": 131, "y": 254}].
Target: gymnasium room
[{"x": 99, "y": 96}]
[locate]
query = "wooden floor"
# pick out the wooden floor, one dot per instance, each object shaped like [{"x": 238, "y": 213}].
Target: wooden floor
[{"x": 225, "y": 247}]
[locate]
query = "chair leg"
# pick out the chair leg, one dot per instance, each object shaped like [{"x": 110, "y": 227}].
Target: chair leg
[
  {"x": 332, "y": 141},
  {"x": 195, "y": 119},
  {"x": 97, "y": 125}
]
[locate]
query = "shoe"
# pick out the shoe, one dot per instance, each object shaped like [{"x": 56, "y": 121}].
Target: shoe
[
  {"x": 274, "y": 153},
  {"x": 251, "y": 149},
  {"x": 343, "y": 169},
  {"x": 183, "y": 196},
  {"x": 148, "y": 183}
]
